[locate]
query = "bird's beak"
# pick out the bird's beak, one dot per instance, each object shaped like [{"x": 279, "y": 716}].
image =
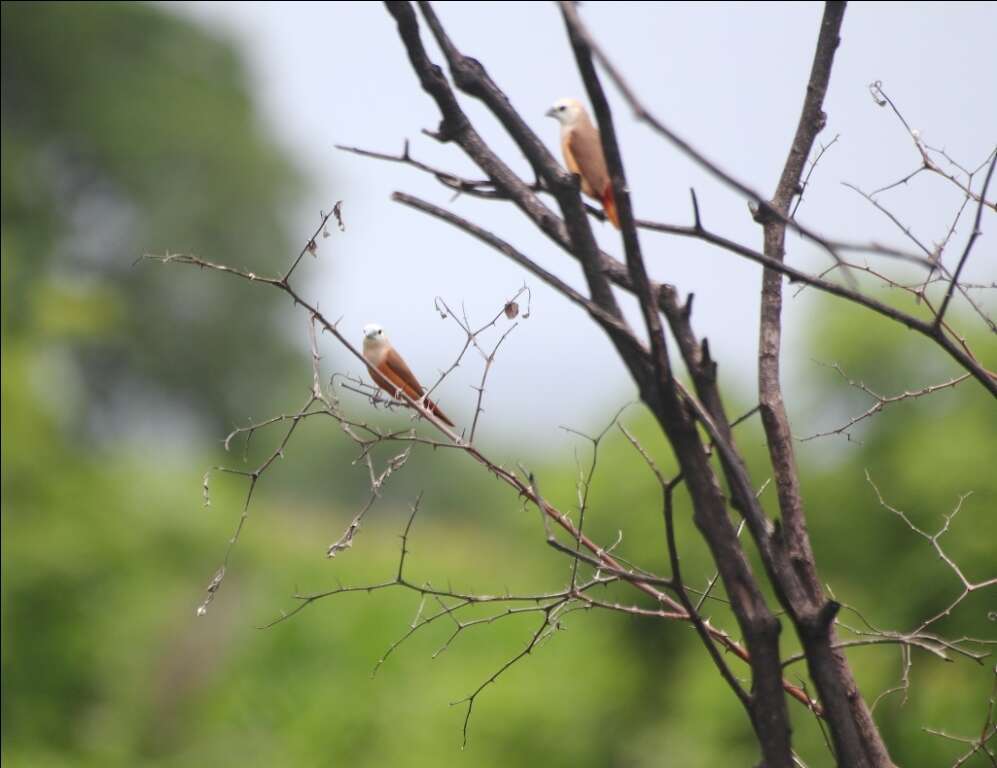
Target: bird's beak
[{"x": 550, "y": 113}]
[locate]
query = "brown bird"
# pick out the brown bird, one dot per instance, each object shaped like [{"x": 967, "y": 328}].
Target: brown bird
[
  {"x": 389, "y": 371},
  {"x": 582, "y": 148}
]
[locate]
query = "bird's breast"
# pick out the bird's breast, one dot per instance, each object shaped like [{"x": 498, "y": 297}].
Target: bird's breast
[{"x": 374, "y": 353}]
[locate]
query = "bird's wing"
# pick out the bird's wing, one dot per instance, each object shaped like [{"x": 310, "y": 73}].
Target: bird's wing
[
  {"x": 393, "y": 374},
  {"x": 583, "y": 150},
  {"x": 569, "y": 157},
  {"x": 395, "y": 369}
]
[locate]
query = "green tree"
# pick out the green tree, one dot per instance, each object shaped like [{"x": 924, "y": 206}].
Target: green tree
[{"x": 122, "y": 127}]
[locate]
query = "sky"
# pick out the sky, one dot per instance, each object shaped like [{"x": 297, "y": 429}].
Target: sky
[{"x": 729, "y": 77}]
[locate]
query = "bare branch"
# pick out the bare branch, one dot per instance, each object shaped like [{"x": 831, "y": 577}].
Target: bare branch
[
  {"x": 810, "y": 172},
  {"x": 880, "y": 401},
  {"x": 969, "y": 244},
  {"x": 927, "y": 164},
  {"x": 981, "y": 742},
  {"x": 605, "y": 319},
  {"x": 968, "y": 587}
]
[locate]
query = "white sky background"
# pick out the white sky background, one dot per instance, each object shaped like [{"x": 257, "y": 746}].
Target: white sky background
[{"x": 728, "y": 77}]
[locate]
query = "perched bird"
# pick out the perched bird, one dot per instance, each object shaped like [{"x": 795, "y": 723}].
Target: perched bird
[
  {"x": 582, "y": 148},
  {"x": 389, "y": 371}
]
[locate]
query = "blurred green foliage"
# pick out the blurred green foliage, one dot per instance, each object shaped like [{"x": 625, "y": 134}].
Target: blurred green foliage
[
  {"x": 147, "y": 131},
  {"x": 127, "y": 130}
]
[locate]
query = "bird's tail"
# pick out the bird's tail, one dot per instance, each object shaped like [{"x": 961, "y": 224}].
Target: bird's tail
[
  {"x": 609, "y": 205},
  {"x": 435, "y": 409}
]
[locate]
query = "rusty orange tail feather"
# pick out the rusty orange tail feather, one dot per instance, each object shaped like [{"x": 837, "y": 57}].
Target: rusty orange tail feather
[
  {"x": 435, "y": 409},
  {"x": 609, "y": 206},
  {"x": 393, "y": 386}
]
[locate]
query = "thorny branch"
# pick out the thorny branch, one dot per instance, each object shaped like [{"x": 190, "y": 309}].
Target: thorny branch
[
  {"x": 929, "y": 164},
  {"x": 881, "y": 401},
  {"x": 921, "y": 639},
  {"x": 881, "y": 98},
  {"x": 979, "y": 743},
  {"x": 968, "y": 586},
  {"x": 365, "y": 436},
  {"x": 810, "y": 172},
  {"x": 955, "y": 346}
]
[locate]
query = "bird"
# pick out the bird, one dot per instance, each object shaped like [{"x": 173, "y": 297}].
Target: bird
[
  {"x": 582, "y": 148},
  {"x": 390, "y": 372}
]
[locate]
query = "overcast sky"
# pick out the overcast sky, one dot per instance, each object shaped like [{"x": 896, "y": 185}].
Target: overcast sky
[{"x": 728, "y": 77}]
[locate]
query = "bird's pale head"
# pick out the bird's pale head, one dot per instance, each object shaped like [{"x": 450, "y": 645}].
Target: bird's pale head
[
  {"x": 566, "y": 111},
  {"x": 373, "y": 332}
]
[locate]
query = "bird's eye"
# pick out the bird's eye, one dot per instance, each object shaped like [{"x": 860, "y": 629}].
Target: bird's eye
[
  {"x": 380, "y": 332},
  {"x": 560, "y": 108}
]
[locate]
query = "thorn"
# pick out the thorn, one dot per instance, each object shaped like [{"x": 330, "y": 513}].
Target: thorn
[
  {"x": 695, "y": 209},
  {"x": 687, "y": 307}
]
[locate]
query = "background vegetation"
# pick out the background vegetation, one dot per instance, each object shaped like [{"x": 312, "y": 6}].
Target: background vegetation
[{"x": 127, "y": 130}]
